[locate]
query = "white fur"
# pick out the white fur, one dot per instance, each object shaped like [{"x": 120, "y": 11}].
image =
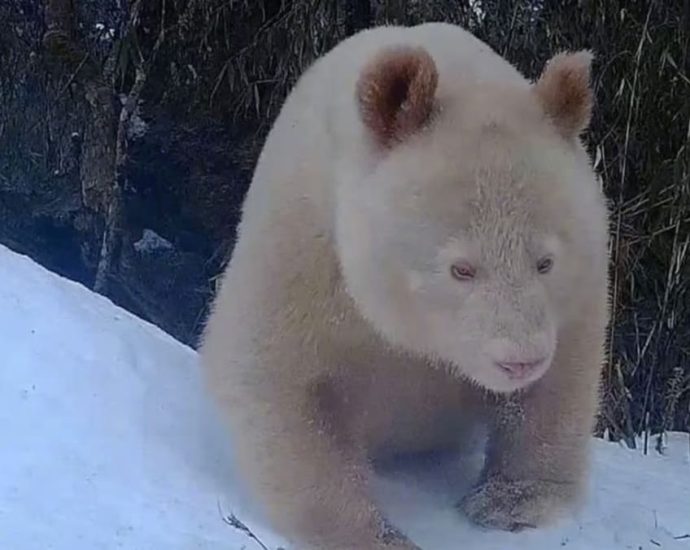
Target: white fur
[{"x": 338, "y": 331}]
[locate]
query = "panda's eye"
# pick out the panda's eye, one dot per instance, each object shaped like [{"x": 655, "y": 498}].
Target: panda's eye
[
  {"x": 462, "y": 271},
  {"x": 545, "y": 264}
]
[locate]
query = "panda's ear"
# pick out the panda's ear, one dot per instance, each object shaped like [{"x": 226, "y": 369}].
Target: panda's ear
[
  {"x": 396, "y": 94},
  {"x": 565, "y": 93}
]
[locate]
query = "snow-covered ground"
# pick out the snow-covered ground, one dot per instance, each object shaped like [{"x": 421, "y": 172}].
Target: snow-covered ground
[{"x": 108, "y": 442}]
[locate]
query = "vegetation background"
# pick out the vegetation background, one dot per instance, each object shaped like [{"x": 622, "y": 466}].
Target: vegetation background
[{"x": 129, "y": 130}]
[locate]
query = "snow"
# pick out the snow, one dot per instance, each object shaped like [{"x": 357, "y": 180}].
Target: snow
[
  {"x": 151, "y": 241},
  {"x": 109, "y": 442}
]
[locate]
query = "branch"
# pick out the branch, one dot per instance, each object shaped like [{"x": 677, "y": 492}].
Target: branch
[{"x": 112, "y": 235}]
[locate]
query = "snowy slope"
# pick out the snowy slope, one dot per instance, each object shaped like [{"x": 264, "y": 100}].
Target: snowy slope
[{"x": 108, "y": 442}]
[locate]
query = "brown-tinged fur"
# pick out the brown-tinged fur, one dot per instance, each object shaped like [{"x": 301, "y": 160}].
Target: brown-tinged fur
[
  {"x": 396, "y": 93},
  {"x": 339, "y": 333},
  {"x": 564, "y": 91}
]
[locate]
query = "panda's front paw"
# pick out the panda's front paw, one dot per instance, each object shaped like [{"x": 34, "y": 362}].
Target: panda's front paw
[
  {"x": 394, "y": 539},
  {"x": 517, "y": 505}
]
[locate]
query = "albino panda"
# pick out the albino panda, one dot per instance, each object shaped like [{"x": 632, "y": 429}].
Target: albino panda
[{"x": 423, "y": 247}]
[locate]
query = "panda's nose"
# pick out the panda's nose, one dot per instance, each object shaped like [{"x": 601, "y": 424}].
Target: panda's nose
[
  {"x": 521, "y": 368},
  {"x": 519, "y": 359}
]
